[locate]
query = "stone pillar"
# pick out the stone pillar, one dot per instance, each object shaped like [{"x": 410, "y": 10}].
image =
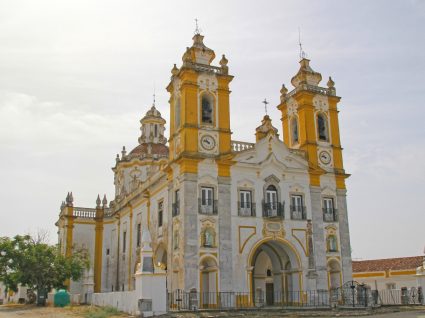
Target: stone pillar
[
  {"x": 319, "y": 244},
  {"x": 98, "y": 245},
  {"x": 344, "y": 236},
  {"x": 225, "y": 235},
  {"x": 151, "y": 286},
  {"x": 189, "y": 215}
]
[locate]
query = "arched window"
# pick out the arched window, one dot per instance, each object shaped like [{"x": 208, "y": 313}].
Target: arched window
[
  {"x": 271, "y": 194},
  {"x": 207, "y": 110},
  {"x": 156, "y": 130},
  {"x": 332, "y": 243},
  {"x": 177, "y": 114},
  {"x": 294, "y": 130},
  {"x": 322, "y": 129}
]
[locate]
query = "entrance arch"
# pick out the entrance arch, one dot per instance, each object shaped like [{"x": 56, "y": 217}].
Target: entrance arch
[
  {"x": 208, "y": 282},
  {"x": 276, "y": 275}
]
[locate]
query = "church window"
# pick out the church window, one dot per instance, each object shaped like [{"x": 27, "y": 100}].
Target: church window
[
  {"x": 271, "y": 204},
  {"x": 329, "y": 213},
  {"x": 245, "y": 203},
  {"x": 176, "y": 204},
  {"x": 160, "y": 213},
  {"x": 177, "y": 114},
  {"x": 294, "y": 130},
  {"x": 207, "y": 110},
  {"x": 156, "y": 130},
  {"x": 297, "y": 208},
  {"x": 322, "y": 130},
  {"x": 332, "y": 244},
  {"x": 207, "y": 200},
  {"x": 124, "y": 241},
  {"x": 139, "y": 234},
  {"x": 176, "y": 240}
]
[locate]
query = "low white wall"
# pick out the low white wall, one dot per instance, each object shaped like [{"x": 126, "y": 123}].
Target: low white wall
[{"x": 126, "y": 301}]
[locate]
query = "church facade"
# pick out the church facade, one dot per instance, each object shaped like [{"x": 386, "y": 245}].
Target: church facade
[{"x": 266, "y": 218}]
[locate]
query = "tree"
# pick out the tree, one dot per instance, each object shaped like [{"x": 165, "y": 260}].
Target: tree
[{"x": 38, "y": 265}]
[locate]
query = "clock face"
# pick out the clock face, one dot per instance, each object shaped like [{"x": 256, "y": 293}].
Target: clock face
[
  {"x": 208, "y": 142},
  {"x": 324, "y": 157}
]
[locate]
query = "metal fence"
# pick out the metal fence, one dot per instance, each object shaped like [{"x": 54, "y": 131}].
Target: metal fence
[
  {"x": 402, "y": 296},
  {"x": 182, "y": 300},
  {"x": 349, "y": 295}
]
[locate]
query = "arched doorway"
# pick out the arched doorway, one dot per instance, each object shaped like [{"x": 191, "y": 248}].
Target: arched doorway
[
  {"x": 208, "y": 281},
  {"x": 334, "y": 274},
  {"x": 276, "y": 274}
]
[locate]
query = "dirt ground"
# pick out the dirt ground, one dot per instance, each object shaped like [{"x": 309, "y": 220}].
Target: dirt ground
[{"x": 27, "y": 311}]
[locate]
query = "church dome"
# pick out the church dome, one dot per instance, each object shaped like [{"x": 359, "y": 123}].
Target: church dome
[{"x": 149, "y": 150}]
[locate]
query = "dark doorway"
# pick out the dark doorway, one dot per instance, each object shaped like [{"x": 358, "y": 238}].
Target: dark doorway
[{"x": 269, "y": 294}]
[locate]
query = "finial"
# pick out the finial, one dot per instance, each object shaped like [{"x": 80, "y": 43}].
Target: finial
[
  {"x": 265, "y": 102},
  {"x": 197, "y": 29},
  {"x": 174, "y": 70},
  {"x": 62, "y": 205},
  {"x": 302, "y": 53},
  {"x": 223, "y": 63},
  {"x": 153, "y": 104},
  {"x": 283, "y": 92},
  {"x": 104, "y": 201},
  {"x": 117, "y": 158},
  {"x": 98, "y": 202},
  {"x": 71, "y": 198},
  {"x": 331, "y": 83},
  {"x": 123, "y": 152}
]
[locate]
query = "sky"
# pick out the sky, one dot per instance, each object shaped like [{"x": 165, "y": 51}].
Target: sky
[{"x": 77, "y": 76}]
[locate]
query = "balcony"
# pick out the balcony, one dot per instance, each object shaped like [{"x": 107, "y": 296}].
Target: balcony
[
  {"x": 330, "y": 215},
  {"x": 246, "y": 208},
  {"x": 298, "y": 212},
  {"x": 207, "y": 206},
  {"x": 273, "y": 209},
  {"x": 176, "y": 208}
]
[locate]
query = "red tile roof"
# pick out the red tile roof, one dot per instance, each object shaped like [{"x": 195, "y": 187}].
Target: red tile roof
[{"x": 378, "y": 265}]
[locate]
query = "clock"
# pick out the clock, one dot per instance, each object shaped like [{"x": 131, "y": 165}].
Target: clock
[
  {"x": 208, "y": 142},
  {"x": 324, "y": 157}
]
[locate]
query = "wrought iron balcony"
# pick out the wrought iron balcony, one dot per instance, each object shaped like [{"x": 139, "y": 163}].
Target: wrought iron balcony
[
  {"x": 273, "y": 209},
  {"x": 207, "y": 206},
  {"x": 246, "y": 208},
  {"x": 176, "y": 208},
  {"x": 298, "y": 212},
  {"x": 330, "y": 215}
]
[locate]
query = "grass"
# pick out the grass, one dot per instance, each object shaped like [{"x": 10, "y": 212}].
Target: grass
[{"x": 101, "y": 312}]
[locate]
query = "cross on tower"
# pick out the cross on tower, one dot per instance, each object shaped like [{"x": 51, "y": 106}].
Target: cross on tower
[
  {"x": 265, "y": 102},
  {"x": 197, "y": 30}
]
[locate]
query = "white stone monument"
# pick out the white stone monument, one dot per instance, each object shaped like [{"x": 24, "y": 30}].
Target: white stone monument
[{"x": 150, "y": 281}]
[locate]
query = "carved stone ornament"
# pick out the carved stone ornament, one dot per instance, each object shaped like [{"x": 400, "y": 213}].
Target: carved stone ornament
[{"x": 273, "y": 229}]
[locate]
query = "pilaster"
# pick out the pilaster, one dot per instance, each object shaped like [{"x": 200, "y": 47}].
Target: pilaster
[{"x": 344, "y": 236}]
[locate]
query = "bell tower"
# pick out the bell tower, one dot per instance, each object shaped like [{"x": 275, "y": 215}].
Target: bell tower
[
  {"x": 199, "y": 109},
  {"x": 310, "y": 123}
]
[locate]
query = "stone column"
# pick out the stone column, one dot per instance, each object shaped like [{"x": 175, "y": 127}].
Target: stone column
[
  {"x": 344, "y": 236},
  {"x": 189, "y": 214},
  {"x": 319, "y": 244},
  {"x": 225, "y": 235}
]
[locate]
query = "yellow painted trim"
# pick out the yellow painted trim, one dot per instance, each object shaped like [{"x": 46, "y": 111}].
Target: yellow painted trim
[
  {"x": 130, "y": 249},
  {"x": 298, "y": 240},
  {"x": 98, "y": 251},
  {"x": 369, "y": 274},
  {"x": 85, "y": 221},
  {"x": 241, "y": 248},
  {"x": 402, "y": 272}
]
